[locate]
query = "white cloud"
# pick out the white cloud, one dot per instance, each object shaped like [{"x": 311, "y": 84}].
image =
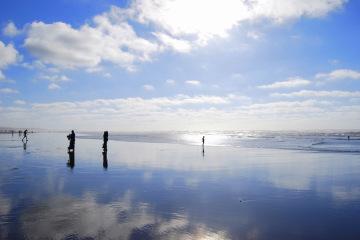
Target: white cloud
[
  {"x": 55, "y": 78},
  {"x": 8, "y": 91},
  {"x": 9, "y": 55},
  {"x": 290, "y": 83},
  {"x": 179, "y": 25},
  {"x": 175, "y": 44},
  {"x": 53, "y": 86},
  {"x": 148, "y": 87},
  {"x": 283, "y": 107},
  {"x": 253, "y": 34},
  {"x": 313, "y": 93},
  {"x": 205, "y": 112},
  {"x": 11, "y": 30},
  {"x": 196, "y": 19},
  {"x": 339, "y": 74},
  {"x": 107, "y": 75},
  {"x": 193, "y": 82},
  {"x": 62, "y": 45},
  {"x": 19, "y": 102}
]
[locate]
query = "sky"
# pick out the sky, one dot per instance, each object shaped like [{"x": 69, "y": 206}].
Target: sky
[{"x": 153, "y": 65}]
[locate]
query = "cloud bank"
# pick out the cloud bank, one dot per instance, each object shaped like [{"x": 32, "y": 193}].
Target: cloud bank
[{"x": 178, "y": 25}]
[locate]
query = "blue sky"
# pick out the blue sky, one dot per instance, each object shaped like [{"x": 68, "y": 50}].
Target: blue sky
[{"x": 180, "y": 64}]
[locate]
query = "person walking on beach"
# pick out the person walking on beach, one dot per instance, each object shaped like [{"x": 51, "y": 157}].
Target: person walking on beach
[
  {"x": 25, "y": 136},
  {"x": 105, "y": 138},
  {"x": 203, "y": 140},
  {"x": 71, "y": 138}
]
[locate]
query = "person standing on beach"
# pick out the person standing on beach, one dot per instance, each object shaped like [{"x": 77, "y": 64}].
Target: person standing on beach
[
  {"x": 203, "y": 140},
  {"x": 105, "y": 138},
  {"x": 25, "y": 136},
  {"x": 71, "y": 138}
]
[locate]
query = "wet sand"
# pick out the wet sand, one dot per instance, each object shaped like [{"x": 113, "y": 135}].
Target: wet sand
[{"x": 172, "y": 191}]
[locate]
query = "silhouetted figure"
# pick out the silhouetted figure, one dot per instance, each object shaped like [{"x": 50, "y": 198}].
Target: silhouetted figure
[
  {"x": 25, "y": 136},
  {"x": 348, "y": 138},
  {"x": 71, "y": 138},
  {"x": 12, "y": 133},
  {"x": 203, "y": 140},
  {"x": 106, "y": 138},
  {"x": 19, "y": 133},
  {"x": 105, "y": 160},
  {"x": 71, "y": 161}
]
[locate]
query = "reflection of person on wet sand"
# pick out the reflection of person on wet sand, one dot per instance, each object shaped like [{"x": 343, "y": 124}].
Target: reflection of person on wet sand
[
  {"x": 24, "y": 145},
  {"x": 25, "y": 136},
  {"x": 105, "y": 160},
  {"x": 71, "y": 138},
  {"x": 71, "y": 161}
]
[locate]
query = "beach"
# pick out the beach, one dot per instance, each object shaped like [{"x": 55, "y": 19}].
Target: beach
[{"x": 172, "y": 190}]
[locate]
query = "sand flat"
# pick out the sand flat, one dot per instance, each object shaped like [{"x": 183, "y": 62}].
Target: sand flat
[{"x": 174, "y": 191}]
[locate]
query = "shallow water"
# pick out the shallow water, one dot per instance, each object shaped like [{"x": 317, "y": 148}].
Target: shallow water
[
  {"x": 324, "y": 141},
  {"x": 174, "y": 191}
]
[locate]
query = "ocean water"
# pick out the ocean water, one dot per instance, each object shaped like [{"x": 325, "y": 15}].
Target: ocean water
[
  {"x": 325, "y": 141},
  {"x": 149, "y": 187}
]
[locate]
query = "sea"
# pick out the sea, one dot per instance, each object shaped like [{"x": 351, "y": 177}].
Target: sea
[{"x": 321, "y": 141}]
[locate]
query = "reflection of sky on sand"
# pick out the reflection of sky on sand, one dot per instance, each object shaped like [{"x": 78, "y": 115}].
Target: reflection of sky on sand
[
  {"x": 170, "y": 191},
  {"x": 65, "y": 216}
]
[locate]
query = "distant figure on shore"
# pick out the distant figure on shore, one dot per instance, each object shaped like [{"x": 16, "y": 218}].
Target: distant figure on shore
[
  {"x": 25, "y": 136},
  {"x": 203, "y": 146},
  {"x": 106, "y": 139},
  {"x": 71, "y": 161},
  {"x": 19, "y": 133},
  {"x": 71, "y": 138},
  {"x": 105, "y": 160},
  {"x": 348, "y": 138}
]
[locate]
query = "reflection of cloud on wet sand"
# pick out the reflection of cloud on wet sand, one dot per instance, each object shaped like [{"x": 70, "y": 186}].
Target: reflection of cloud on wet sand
[
  {"x": 5, "y": 208},
  {"x": 65, "y": 216},
  {"x": 346, "y": 193},
  {"x": 5, "y": 205}
]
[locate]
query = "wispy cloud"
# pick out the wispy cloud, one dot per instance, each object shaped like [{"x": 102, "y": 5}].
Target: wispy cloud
[
  {"x": 148, "y": 87},
  {"x": 53, "y": 86},
  {"x": 290, "y": 83},
  {"x": 205, "y": 112},
  {"x": 339, "y": 74},
  {"x": 313, "y": 93},
  {"x": 19, "y": 102},
  {"x": 8, "y": 91},
  {"x": 193, "y": 82},
  {"x": 171, "y": 82}
]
